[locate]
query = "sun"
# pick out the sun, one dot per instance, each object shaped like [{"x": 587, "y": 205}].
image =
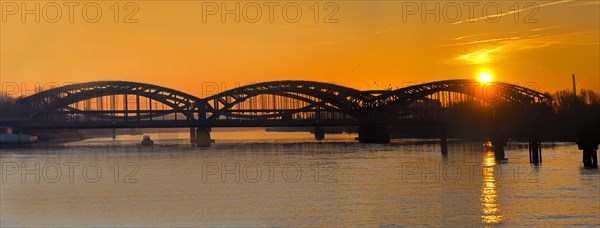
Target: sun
[{"x": 485, "y": 77}]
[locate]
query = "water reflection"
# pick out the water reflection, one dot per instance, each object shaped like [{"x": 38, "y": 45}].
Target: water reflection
[
  {"x": 377, "y": 185},
  {"x": 489, "y": 194}
]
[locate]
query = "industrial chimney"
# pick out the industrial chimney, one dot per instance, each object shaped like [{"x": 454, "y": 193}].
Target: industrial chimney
[{"x": 574, "y": 86}]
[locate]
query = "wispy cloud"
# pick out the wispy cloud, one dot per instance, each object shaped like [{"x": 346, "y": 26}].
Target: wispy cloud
[
  {"x": 491, "y": 49},
  {"x": 482, "y": 41},
  {"x": 512, "y": 12},
  {"x": 546, "y": 28},
  {"x": 480, "y": 56},
  {"x": 482, "y": 35},
  {"x": 587, "y": 3}
]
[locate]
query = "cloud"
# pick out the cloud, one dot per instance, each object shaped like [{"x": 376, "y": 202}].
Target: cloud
[
  {"x": 482, "y": 41},
  {"x": 486, "y": 51},
  {"x": 513, "y": 12},
  {"x": 488, "y": 47},
  {"x": 482, "y": 35},
  {"x": 587, "y": 3},
  {"x": 546, "y": 28},
  {"x": 480, "y": 56}
]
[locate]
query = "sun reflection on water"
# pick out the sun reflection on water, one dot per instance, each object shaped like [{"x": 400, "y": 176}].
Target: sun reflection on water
[{"x": 489, "y": 194}]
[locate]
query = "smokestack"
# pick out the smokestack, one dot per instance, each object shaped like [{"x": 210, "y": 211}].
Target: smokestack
[{"x": 574, "y": 86}]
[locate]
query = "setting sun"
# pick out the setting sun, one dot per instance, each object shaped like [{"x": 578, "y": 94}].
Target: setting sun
[{"x": 485, "y": 77}]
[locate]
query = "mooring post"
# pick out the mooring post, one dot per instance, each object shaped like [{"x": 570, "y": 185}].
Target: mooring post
[
  {"x": 535, "y": 145},
  {"x": 499, "y": 140},
  {"x": 444, "y": 139},
  {"x": 535, "y": 149},
  {"x": 193, "y": 139}
]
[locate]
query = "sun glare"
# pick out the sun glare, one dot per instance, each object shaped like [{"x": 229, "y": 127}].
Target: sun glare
[{"x": 485, "y": 77}]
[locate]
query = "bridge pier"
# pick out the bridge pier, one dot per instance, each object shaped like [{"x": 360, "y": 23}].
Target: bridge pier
[
  {"x": 319, "y": 133},
  {"x": 200, "y": 137},
  {"x": 588, "y": 142},
  {"x": 373, "y": 134},
  {"x": 590, "y": 158},
  {"x": 499, "y": 140}
]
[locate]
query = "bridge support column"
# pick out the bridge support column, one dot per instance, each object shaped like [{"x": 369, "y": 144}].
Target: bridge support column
[
  {"x": 590, "y": 158},
  {"x": 499, "y": 140},
  {"x": 319, "y": 133},
  {"x": 588, "y": 142},
  {"x": 373, "y": 134},
  {"x": 203, "y": 137}
]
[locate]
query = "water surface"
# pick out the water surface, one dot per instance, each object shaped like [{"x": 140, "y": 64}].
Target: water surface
[{"x": 288, "y": 179}]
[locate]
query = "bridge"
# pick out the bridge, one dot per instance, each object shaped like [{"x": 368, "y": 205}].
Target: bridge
[{"x": 122, "y": 104}]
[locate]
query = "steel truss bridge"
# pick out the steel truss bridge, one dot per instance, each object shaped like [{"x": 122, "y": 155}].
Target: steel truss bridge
[{"x": 122, "y": 104}]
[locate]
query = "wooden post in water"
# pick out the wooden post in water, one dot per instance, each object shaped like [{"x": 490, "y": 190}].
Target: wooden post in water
[
  {"x": 499, "y": 140},
  {"x": 193, "y": 139},
  {"x": 535, "y": 143},
  {"x": 444, "y": 139},
  {"x": 535, "y": 149}
]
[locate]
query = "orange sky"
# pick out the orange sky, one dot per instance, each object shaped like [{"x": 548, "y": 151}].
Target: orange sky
[{"x": 373, "y": 44}]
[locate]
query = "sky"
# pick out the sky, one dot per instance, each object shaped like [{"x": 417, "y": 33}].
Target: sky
[{"x": 191, "y": 46}]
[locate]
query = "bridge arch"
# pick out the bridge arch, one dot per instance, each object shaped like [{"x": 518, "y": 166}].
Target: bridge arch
[
  {"x": 490, "y": 93},
  {"x": 65, "y": 96},
  {"x": 309, "y": 96}
]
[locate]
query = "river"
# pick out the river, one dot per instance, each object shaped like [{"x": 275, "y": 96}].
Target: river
[{"x": 257, "y": 178}]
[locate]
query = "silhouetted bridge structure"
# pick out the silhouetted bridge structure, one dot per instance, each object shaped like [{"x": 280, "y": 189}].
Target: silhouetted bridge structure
[{"x": 121, "y": 104}]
